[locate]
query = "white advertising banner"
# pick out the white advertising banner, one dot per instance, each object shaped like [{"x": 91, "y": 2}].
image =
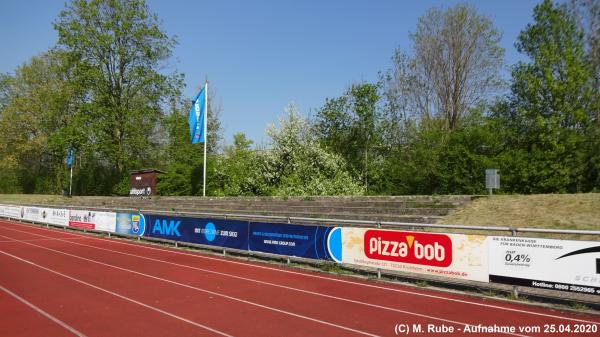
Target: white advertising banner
[
  {"x": 32, "y": 213},
  {"x": 101, "y": 221},
  {"x": 545, "y": 263},
  {"x": 449, "y": 255},
  {"x": 55, "y": 216},
  {"x": 13, "y": 212}
]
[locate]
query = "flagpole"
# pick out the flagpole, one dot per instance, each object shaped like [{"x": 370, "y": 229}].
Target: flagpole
[
  {"x": 71, "y": 181},
  {"x": 205, "y": 137}
]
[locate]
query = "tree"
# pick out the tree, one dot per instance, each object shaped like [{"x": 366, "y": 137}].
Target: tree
[
  {"x": 116, "y": 48},
  {"x": 587, "y": 14},
  {"x": 550, "y": 107},
  {"x": 455, "y": 66},
  {"x": 236, "y": 171},
  {"x": 297, "y": 165},
  {"x": 348, "y": 125},
  {"x": 38, "y": 122}
]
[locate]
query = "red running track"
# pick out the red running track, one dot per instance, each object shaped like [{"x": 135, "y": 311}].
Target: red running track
[{"x": 58, "y": 283}]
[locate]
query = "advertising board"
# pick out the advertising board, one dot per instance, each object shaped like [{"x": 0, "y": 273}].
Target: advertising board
[
  {"x": 288, "y": 239},
  {"x": 55, "y": 216},
  {"x": 546, "y": 263},
  {"x": 214, "y": 232},
  {"x": 32, "y": 213},
  {"x": 449, "y": 255},
  {"x": 13, "y": 212},
  {"x": 100, "y": 221},
  {"x": 130, "y": 224}
]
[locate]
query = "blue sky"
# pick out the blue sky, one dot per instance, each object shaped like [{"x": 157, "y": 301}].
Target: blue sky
[{"x": 261, "y": 55}]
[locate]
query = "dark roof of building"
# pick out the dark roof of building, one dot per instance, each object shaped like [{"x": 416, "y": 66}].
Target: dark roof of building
[{"x": 150, "y": 170}]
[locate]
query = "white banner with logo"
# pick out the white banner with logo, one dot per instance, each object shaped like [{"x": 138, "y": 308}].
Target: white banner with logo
[
  {"x": 448, "y": 255},
  {"x": 55, "y": 216},
  {"x": 101, "y": 221},
  {"x": 13, "y": 212},
  {"x": 32, "y": 213},
  {"x": 545, "y": 263}
]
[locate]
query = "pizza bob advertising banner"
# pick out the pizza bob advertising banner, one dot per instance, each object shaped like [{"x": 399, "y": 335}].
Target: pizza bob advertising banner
[
  {"x": 545, "y": 263},
  {"x": 100, "y": 221},
  {"x": 448, "y": 255}
]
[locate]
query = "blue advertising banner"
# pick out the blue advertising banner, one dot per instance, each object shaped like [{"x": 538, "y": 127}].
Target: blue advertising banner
[
  {"x": 294, "y": 240},
  {"x": 214, "y": 232},
  {"x": 131, "y": 224}
]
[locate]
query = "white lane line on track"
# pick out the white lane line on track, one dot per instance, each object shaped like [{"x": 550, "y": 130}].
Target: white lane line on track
[
  {"x": 115, "y": 294},
  {"x": 146, "y": 246},
  {"x": 47, "y": 239},
  {"x": 204, "y": 290},
  {"x": 279, "y": 286},
  {"x": 43, "y": 313}
]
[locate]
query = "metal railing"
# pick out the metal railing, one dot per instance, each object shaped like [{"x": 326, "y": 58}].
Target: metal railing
[{"x": 328, "y": 221}]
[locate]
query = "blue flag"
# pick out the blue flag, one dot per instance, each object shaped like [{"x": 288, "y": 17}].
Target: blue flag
[
  {"x": 70, "y": 157},
  {"x": 196, "y": 117}
]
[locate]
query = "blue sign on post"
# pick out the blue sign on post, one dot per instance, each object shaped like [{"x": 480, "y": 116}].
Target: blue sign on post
[{"x": 214, "y": 232}]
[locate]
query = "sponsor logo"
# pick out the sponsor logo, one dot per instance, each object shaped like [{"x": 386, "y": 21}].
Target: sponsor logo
[
  {"x": 140, "y": 191},
  {"x": 135, "y": 223},
  {"x": 59, "y": 213},
  {"x": 210, "y": 231},
  {"x": 165, "y": 227},
  {"x": 32, "y": 211},
  {"x": 586, "y": 278},
  {"x": 408, "y": 247}
]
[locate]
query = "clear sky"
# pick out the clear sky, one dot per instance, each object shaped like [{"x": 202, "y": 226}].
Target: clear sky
[{"x": 261, "y": 55}]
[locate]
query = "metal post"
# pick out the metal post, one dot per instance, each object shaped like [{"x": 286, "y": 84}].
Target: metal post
[
  {"x": 205, "y": 137},
  {"x": 71, "y": 182}
]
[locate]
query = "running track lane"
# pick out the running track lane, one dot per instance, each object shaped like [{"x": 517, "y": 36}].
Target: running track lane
[{"x": 259, "y": 299}]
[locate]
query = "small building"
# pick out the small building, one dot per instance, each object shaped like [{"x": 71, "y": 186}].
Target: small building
[{"x": 143, "y": 182}]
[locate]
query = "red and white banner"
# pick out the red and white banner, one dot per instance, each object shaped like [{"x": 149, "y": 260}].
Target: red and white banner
[
  {"x": 101, "y": 221},
  {"x": 449, "y": 255}
]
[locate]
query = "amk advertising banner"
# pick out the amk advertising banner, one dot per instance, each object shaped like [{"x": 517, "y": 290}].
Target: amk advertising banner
[
  {"x": 293, "y": 240},
  {"x": 100, "y": 221},
  {"x": 545, "y": 263},
  {"x": 214, "y": 232},
  {"x": 55, "y": 216},
  {"x": 449, "y": 255}
]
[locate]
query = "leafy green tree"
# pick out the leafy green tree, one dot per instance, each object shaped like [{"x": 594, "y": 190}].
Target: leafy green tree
[
  {"x": 550, "y": 107},
  {"x": 39, "y": 107},
  {"x": 348, "y": 125},
  {"x": 116, "y": 48},
  {"x": 297, "y": 165}
]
